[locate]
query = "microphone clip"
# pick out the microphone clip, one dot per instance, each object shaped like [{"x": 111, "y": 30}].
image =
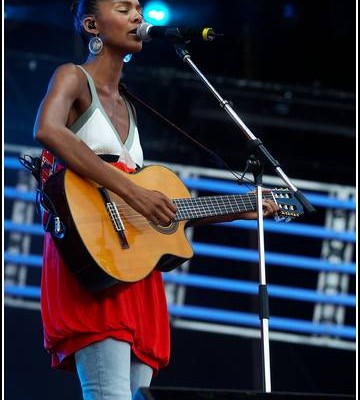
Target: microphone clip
[{"x": 186, "y": 35}]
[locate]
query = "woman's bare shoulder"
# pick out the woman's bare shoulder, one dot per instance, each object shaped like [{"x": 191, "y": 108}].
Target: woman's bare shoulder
[
  {"x": 68, "y": 68},
  {"x": 68, "y": 77}
]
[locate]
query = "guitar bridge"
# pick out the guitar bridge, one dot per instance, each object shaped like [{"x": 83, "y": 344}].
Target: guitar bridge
[{"x": 114, "y": 217}]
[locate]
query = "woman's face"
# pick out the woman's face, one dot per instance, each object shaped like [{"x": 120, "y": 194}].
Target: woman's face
[{"x": 117, "y": 21}]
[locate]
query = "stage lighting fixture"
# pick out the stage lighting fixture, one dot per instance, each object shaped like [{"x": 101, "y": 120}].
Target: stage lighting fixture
[
  {"x": 157, "y": 13},
  {"x": 289, "y": 11}
]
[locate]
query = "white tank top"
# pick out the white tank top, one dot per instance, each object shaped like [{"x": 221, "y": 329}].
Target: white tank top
[{"x": 95, "y": 129}]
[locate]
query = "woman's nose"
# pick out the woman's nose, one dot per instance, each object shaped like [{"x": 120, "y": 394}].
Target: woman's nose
[{"x": 138, "y": 17}]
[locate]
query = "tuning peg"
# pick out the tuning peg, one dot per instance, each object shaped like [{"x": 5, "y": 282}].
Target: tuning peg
[{"x": 282, "y": 218}]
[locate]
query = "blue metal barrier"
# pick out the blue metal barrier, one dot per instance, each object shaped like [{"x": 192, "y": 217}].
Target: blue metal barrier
[
  {"x": 288, "y": 260},
  {"x": 278, "y": 323},
  {"x": 230, "y": 253},
  {"x": 270, "y": 226},
  {"x": 226, "y": 252},
  {"x": 238, "y": 286},
  {"x": 218, "y": 186}
]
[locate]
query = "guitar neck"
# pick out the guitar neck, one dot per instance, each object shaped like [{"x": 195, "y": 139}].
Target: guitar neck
[{"x": 211, "y": 206}]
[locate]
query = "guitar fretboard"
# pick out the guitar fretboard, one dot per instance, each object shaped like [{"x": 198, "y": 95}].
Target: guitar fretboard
[{"x": 210, "y": 206}]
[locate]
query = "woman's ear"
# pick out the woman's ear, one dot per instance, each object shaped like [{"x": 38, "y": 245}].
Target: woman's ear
[{"x": 89, "y": 25}]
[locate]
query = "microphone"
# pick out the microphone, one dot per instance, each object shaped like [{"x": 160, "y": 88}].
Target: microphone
[{"x": 147, "y": 32}]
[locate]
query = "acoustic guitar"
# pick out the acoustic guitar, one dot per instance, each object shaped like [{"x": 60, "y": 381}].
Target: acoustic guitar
[{"x": 104, "y": 241}]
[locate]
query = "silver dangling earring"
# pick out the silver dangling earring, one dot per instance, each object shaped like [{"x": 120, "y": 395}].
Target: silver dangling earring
[
  {"x": 95, "y": 45},
  {"x": 127, "y": 58}
]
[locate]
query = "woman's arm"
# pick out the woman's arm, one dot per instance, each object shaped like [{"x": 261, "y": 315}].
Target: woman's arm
[{"x": 52, "y": 132}]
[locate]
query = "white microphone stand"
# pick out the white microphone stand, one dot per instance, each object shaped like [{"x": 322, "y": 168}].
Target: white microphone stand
[
  {"x": 260, "y": 151},
  {"x": 256, "y": 168}
]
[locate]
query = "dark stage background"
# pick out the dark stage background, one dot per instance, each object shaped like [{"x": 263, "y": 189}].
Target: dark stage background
[{"x": 289, "y": 67}]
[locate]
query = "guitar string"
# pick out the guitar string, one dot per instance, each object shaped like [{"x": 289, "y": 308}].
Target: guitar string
[
  {"x": 197, "y": 208},
  {"x": 208, "y": 204},
  {"x": 187, "y": 212},
  {"x": 140, "y": 221},
  {"x": 200, "y": 203},
  {"x": 194, "y": 211},
  {"x": 204, "y": 205}
]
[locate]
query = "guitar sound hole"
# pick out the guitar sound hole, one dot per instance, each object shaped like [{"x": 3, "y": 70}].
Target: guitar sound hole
[{"x": 168, "y": 230}]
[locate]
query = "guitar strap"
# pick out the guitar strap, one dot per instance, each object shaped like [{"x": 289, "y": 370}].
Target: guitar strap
[
  {"x": 48, "y": 166},
  {"x": 42, "y": 168},
  {"x": 213, "y": 156}
]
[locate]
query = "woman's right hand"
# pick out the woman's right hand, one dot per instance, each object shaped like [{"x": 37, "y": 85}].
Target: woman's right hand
[{"x": 153, "y": 205}]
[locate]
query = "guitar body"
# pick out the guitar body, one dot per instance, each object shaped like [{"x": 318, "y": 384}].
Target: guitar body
[
  {"x": 91, "y": 246},
  {"x": 105, "y": 241}
]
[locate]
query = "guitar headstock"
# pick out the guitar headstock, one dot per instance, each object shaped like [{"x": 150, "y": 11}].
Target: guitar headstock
[{"x": 289, "y": 206}]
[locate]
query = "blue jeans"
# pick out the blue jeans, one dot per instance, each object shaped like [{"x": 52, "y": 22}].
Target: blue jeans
[{"x": 109, "y": 371}]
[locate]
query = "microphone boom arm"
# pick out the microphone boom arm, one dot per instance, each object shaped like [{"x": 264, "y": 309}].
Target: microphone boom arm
[
  {"x": 255, "y": 143},
  {"x": 261, "y": 152}
]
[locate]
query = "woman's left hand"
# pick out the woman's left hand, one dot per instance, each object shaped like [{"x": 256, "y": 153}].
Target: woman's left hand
[{"x": 270, "y": 208}]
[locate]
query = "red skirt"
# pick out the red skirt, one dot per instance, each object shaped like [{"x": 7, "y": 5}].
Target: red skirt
[{"x": 74, "y": 317}]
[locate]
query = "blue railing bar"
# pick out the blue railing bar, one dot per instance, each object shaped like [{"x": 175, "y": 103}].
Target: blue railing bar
[
  {"x": 33, "y": 229},
  {"x": 241, "y": 318},
  {"x": 32, "y": 291},
  {"x": 226, "y": 252},
  {"x": 217, "y": 251},
  {"x": 316, "y": 200},
  {"x": 216, "y": 283},
  {"x": 12, "y": 163},
  {"x": 12, "y": 193},
  {"x": 299, "y": 229},
  {"x": 238, "y": 286},
  {"x": 27, "y": 259},
  {"x": 23, "y": 291},
  {"x": 216, "y": 186},
  {"x": 329, "y": 202},
  {"x": 231, "y": 188},
  {"x": 311, "y": 296},
  {"x": 294, "y": 228},
  {"x": 345, "y": 331}
]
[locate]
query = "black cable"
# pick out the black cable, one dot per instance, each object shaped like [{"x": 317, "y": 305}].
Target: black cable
[{"x": 33, "y": 164}]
